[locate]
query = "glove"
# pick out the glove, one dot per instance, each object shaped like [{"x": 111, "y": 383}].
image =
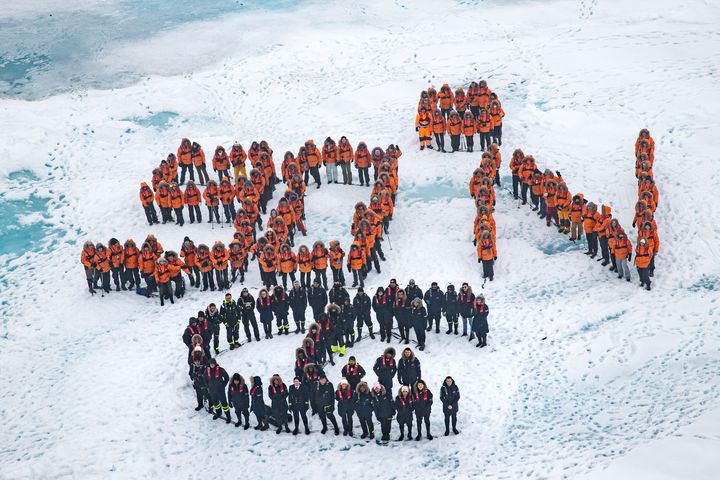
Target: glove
[
  {"x": 475, "y": 242},
  {"x": 324, "y": 164},
  {"x": 397, "y": 148},
  {"x": 495, "y": 259},
  {"x": 557, "y": 172},
  {"x": 634, "y": 224},
  {"x": 479, "y": 260},
  {"x": 629, "y": 256},
  {"x": 349, "y": 269},
  {"x": 417, "y": 129}
]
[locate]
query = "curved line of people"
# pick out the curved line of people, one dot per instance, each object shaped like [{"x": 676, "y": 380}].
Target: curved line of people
[
  {"x": 461, "y": 115},
  {"x": 252, "y": 192},
  {"x": 573, "y": 214},
  {"x": 338, "y": 321},
  {"x": 482, "y": 190}
]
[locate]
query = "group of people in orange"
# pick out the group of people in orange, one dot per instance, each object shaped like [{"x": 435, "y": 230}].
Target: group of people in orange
[
  {"x": 482, "y": 190},
  {"x": 273, "y": 249},
  {"x": 460, "y": 115},
  {"x": 573, "y": 214}
]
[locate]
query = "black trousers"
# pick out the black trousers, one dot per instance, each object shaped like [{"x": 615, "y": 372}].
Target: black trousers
[
  {"x": 151, "y": 214},
  {"x": 420, "y": 419},
  {"x": 166, "y": 214},
  {"x": 150, "y": 282},
  {"x": 338, "y": 275},
  {"x": 450, "y": 416},
  {"x": 305, "y": 279},
  {"x": 604, "y": 248},
  {"x": 118, "y": 275},
  {"x": 347, "y": 421},
  {"x": 420, "y": 335},
  {"x": 470, "y": 141},
  {"x": 475, "y": 111},
  {"x": 324, "y": 416},
  {"x": 485, "y": 141},
  {"x": 488, "y": 269},
  {"x": 315, "y": 173},
  {"x": 222, "y": 279},
  {"x": 455, "y": 142},
  {"x": 523, "y": 192},
  {"x": 385, "y": 426},
  {"x": 297, "y": 415},
  {"x": 213, "y": 211},
  {"x": 229, "y": 211},
  {"x": 386, "y": 323},
  {"x": 165, "y": 291},
  {"x": 364, "y": 175},
  {"x": 184, "y": 168},
  {"x": 245, "y": 414},
  {"x": 366, "y": 424},
  {"x": 194, "y": 211},
  {"x": 247, "y": 322},
  {"x": 592, "y": 240},
  {"x": 132, "y": 275},
  {"x": 194, "y": 276},
  {"x": 179, "y": 219},
  {"x": 208, "y": 280},
  {"x": 644, "y": 274},
  {"x": 436, "y": 317},
  {"x": 497, "y": 134},
  {"x": 321, "y": 277},
  {"x": 516, "y": 184},
  {"x": 358, "y": 277},
  {"x": 440, "y": 140},
  {"x": 233, "y": 333},
  {"x": 285, "y": 279}
]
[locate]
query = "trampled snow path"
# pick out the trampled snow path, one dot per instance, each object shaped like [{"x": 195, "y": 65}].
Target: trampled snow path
[{"x": 94, "y": 386}]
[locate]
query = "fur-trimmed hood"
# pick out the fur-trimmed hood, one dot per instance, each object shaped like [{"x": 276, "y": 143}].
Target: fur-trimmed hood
[
  {"x": 390, "y": 350},
  {"x": 362, "y": 387},
  {"x": 382, "y": 391},
  {"x": 412, "y": 354},
  {"x": 276, "y": 379},
  {"x": 237, "y": 376},
  {"x": 311, "y": 367}
]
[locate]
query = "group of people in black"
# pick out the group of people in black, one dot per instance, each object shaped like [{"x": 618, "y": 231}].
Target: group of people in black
[{"x": 312, "y": 391}]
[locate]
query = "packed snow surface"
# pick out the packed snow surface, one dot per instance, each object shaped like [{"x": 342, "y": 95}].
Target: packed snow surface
[{"x": 626, "y": 384}]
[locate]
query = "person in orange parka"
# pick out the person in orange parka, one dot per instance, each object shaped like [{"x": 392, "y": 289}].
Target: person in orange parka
[
  {"x": 131, "y": 261},
  {"x": 648, "y": 148},
  {"x": 219, "y": 256},
  {"x": 460, "y": 101},
  {"x": 268, "y": 266},
  {"x": 623, "y": 253},
  {"x": 590, "y": 218},
  {"x": 157, "y": 177},
  {"x": 494, "y": 151},
  {"x": 485, "y": 126},
  {"x": 454, "y": 128},
  {"x": 487, "y": 254},
  {"x": 330, "y": 158},
  {"x": 184, "y": 156},
  {"x": 162, "y": 276},
  {"x": 305, "y": 263},
  {"x": 221, "y": 163},
  {"x": 237, "y": 159},
  {"x": 147, "y": 267},
  {"x": 198, "y": 158},
  {"x": 497, "y": 114},
  {"x": 601, "y": 230},
  {"x": 164, "y": 202},
  {"x": 238, "y": 257},
  {"x": 516, "y": 163},
  {"x": 362, "y": 163},
  {"x": 446, "y": 99},
  {"x": 483, "y": 95},
  {"x": 564, "y": 200},
  {"x": 176, "y": 266},
  {"x": 227, "y": 197},
  {"x": 177, "y": 202},
  {"x": 432, "y": 94},
  {"x": 643, "y": 257},
  {"x": 355, "y": 264},
  {"x": 147, "y": 198},
  {"x": 192, "y": 200},
  {"x": 188, "y": 252},
  {"x": 468, "y": 129},
  {"x": 320, "y": 256},
  {"x": 102, "y": 267},
  {"x": 212, "y": 200},
  {"x": 336, "y": 256},
  {"x": 88, "y": 259},
  {"x": 423, "y": 125},
  {"x": 439, "y": 126},
  {"x": 117, "y": 263},
  {"x": 345, "y": 159},
  {"x": 172, "y": 164},
  {"x": 649, "y": 232},
  {"x": 205, "y": 264},
  {"x": 314, "y": 159},
  {"x": 287, "y": 264},
  {"x": 577, "y": 211}
]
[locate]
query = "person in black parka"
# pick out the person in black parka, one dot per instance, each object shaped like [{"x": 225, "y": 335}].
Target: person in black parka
[
  {"x": 265, "y": 309},
  {"x": 435, "y": 301},
  {"x": 385, "y": 368},
  {"x": 325, "y": 399},
  {"x": 364, "y": 410},
  {"x": 353, "y": 372},
  {"x": 299, "y": 402},
  {"x": 281, "y": 308},
  {"x": 217, "y": 378},
  {"x": 310, "y": 379},
  {"x": 465, "y": 306},
  {"x": 316, "y": 334},
  {"x": 480, "y": 321},
  {"x": 451, "y": 309},
  {"x": 383, "y": 312},
  {"x": 239, "y": 398},
  {"x": 318, "y": 299},
  {"x": 258, "y": 406},
  {"x": 408, "y": 368},
  {"x": 298, "y": 305},
  {"x": 230, "y": 316},
  {"x": 384, "y": 409},
  {"x": 450, "y": 397},
  {"x": 347, "y": 317},
  {"x": 197, "y": 374},
  {"x": 300, "y": 361},
  {"x": 246, "y": 304},
  {"x": 418, "y": 314},
  {"x": 362, "y": 304},
  {"x": 401, "y": 311},
  {"x": 215, "y": 320},
  {"x": 278, "y": 393},
  {"x": 345, "y": 397},
  {"x": 404, "y": 407},
  {"x": 423, "y": 399}
]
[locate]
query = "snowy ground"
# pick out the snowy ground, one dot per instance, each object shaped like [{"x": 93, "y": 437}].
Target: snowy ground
[{"x": 626, "y": 384}]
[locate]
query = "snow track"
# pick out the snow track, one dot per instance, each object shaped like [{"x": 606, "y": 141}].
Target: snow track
[{"x": 98, "y": 386}]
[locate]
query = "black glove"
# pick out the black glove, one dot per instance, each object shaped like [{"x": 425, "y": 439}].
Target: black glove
[
  {"x": 397, "y": 148},
  {"x": 479, "y": 260},
  {"x": 634, "y": 224},
  {"x": 557, "y": 172},
  {"x": 417, "y": 129},
  {"x": 349, "y": 269},
  {"x": 475, "y": 242},
  {"x": 495, "y": 259},
  {"x": 629, "y": 256}
]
